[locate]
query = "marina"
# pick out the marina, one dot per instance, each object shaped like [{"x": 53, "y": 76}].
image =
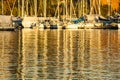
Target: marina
[
  {"x": 59, "y": 39},
  {"x": 63, "y": 17}
]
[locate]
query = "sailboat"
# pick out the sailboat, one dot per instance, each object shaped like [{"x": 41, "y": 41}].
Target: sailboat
[
  {"x": 119, "y": 22},
  {"x": 5, "y": 20},
  {"x": 71, "y": 24},
  {"x": 58, "y": 23},
  {"x": 118, "y": 25},
  {"x": 30, "y": 21},
  {"x": 54, "y": 23},
  {"x": 91, "y": 20},
  {"x": 111, "y": 22}
]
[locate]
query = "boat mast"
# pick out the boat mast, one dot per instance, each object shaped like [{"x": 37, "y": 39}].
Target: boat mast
[
  {"x": 44, "y": 8},
  {"x": 78, "y": 8},
  {"x": 2, "y": 7},
  {"x": 86, "y": 6},
  {"x": 23, "y": 8},
  {"x": 35, "y": 4},
  {"x": 18, "y": 7},
  {"x": 109, "y": 7},
  {"x": 58, "y": 9},
  {"x": 27, "y": 8},
  {"x": 91, "y": 6},
  {"x": 66, "y": 8},
  {"x": 70, "y": 9},
  {"x": 83, "y": 7},
  {"x": 99, "y": 7}
]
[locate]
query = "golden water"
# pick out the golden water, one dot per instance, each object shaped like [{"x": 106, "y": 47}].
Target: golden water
[{"x": 32, "y": 54}]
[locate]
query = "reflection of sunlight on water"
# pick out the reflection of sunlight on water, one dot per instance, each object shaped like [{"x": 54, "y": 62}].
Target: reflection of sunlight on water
[{"x": 60, "y": 54}]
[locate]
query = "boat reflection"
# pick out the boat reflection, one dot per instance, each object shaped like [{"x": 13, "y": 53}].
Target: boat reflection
[
  {"x": 9, "y": 53},
  {"x": 61, "y": 54}
]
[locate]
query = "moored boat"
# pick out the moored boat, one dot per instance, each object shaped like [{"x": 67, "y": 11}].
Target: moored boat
[
  {"x": 29, "y": 22},
  {"x": 17, "y": 22},
  {"x": 72, "y": 26},
  {"x": 6, "y": 22},
  {"x": 118, "y": 25},
  {"x": 119, "y": 22}
]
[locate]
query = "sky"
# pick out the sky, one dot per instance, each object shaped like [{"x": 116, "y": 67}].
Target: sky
[{"x": 115, "y": 3}]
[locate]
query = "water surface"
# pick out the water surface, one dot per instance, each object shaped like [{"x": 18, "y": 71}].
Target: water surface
[{"x": 32, "y": 54}]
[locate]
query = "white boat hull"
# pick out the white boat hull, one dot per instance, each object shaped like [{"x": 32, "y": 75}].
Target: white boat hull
[
  {"x": 90, "y": 25},
  {"x": 118, "y": 25},
  {"x": 5, "y": 21},
  {"x": 72, "y": 26},
  {"x": 59, "y": 27},
  {"x": 41, "y": 26},
  {"x": 29, "y": 22}
]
